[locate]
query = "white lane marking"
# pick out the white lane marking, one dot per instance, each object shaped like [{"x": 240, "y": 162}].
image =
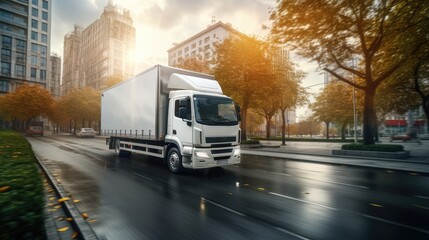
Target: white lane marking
[
  {"x": 393, "y": 223},
  {"x": 223, "y": 207},
  {"x": 345, "y": 184},
  {"x": 138, "y": 174},
  {"x": 426, "y": 208},
  {"x": 303, "y": 201},
  {"x": 424, "y": 197},
  {"x": 291, "y": 233}
]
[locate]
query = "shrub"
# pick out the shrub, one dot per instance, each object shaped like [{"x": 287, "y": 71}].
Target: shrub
[
  {"x": 21, "y": 190},
  {"x": 374, "y": 147},
  {"x": 250, "y": 142}
]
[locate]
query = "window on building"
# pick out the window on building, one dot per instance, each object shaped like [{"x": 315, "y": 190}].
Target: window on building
[
  {"x": 21, "y": 45},
  {"x": 45, "y": 16},
  {"x": 179, "y": 53},
  {"x": 44, "y": 38},
  {"x": 194, "y": 45},
  {"x": 4, "y": 86},
  {"x": 44, "y": 27},
  {"x": 35, "y": 2},
  {"x": 34, "y": 60},
  {"x": 43, "y": 50},
  {"x": 5, "y": 54},
  {"x": 186, "y": 49},
  {"x": 34, "y": 24},
  {"x": 43, "y": 75},
  {"x": 6, "y": 42},
  {"x": 20, "y": 70},
  {"x": 33, "y": 73},
  {"x": 34, "y": 48},
  {"x": 34, "y": 12},
  {"x": 45, "y": 4},
  {"x": 200, "y": 42},
  {"x": 20, "y": 57},
  {"x": 5, "y": 69},
  {"x": 207, "y": 39},
  {"x": 34, "y": 35}
]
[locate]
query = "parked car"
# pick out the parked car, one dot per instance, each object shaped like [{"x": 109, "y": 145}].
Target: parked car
[
  {"x": 424, "y": 136},
  {"x": 400, "y": 137},
  {"x": 34, "y": 130},
  {"x": 85, "y": 132}
]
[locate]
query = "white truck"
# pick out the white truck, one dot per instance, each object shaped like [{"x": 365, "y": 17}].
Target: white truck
[{"x": 174, "y": 114}]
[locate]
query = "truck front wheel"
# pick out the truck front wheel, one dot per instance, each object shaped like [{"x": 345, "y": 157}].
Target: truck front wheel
[
  {"x": 174, "y": 160},
  {"x": 119, "y": 152}
]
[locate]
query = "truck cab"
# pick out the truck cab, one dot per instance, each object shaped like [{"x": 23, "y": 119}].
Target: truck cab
[{"x": 205, "y": 128}]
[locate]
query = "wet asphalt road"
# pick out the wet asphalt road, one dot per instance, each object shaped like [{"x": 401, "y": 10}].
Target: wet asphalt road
[{"x": 262, "y": 198}]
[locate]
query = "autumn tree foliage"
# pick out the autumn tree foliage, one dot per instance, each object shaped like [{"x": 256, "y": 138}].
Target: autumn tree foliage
[
  {"x": 81, "y": 106},
  {"x": 243, "y": 69},
  {"x": 194, "y": 64},
  {"x": 26, "y": 103},
  {"x": 333, "y": 33},
  {"x": 335, "y": 105}
]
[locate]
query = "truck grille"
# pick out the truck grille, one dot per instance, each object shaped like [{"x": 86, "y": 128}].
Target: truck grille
[
  {"x": 218, "y": 151},
  {"x": 220, "y": 139}
]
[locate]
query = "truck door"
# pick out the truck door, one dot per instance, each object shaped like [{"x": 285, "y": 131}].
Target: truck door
[{"x": 182, "y": 121}]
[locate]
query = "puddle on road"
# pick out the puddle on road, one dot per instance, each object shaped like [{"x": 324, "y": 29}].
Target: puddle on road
[{"x": 80, "y": 187}]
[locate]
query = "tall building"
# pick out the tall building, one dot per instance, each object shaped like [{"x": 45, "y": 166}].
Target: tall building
[
  {"x": 201, "y": 45},
  {"x": 99, "y": 51},
  {"x": 55, "y": 75},
  {"x": 25, "y": 43}
]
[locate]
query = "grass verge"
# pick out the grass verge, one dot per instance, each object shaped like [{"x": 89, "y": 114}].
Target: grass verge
[{"x": 21, "y": 190}]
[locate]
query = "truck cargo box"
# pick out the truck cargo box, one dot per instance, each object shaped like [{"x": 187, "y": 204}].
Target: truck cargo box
[{"x": 138, "y": 107}]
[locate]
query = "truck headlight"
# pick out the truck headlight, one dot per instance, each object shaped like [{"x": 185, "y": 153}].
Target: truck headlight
[
  {"x": 236, "y": 151},
  {"x": 202, "y": 154}
]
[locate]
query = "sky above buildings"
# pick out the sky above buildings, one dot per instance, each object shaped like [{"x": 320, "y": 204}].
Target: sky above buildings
[{"x": 161, "y": 23}]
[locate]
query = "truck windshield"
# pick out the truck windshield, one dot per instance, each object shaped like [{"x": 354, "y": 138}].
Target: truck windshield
[{"x": 210, "y": 110}]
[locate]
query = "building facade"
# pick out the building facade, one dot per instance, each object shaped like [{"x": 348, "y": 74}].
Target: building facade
[
  {"x": 101, "y": 50},
  {"x": 25, "y": 43},
  {"x": 201, "y": 45},
  {"x": 55, "y": 75}
]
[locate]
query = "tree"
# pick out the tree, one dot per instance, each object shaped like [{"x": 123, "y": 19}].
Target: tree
[
  {"x": 243, "y": 69},
  {"x": 81, "y": 105},
  {"x": 113, "y": 80},
  {"x": 288, "y": 82},
  {"x": 27, "y": 103},
  {"x": 335, "y": 32},
  {"x": 194, "y": 64}
]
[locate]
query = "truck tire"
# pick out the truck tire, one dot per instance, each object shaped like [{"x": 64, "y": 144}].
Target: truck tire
[
  {"x": 119, "y": 152},
  {"x": 174, "y": 160}
]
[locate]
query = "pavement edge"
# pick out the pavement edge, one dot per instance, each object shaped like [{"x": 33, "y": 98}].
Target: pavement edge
[{"x": 79, "y": 223}]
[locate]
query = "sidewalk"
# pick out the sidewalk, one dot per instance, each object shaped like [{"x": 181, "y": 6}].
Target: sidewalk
[{"x": 322, "y": 152}]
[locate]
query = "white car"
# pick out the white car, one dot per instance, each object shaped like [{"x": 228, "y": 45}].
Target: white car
[{"x": 86, "y": 132}]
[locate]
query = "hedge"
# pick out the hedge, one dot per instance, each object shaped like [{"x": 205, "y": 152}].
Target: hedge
[
  {"x": 21, "y": 190},
  {"x": 374, "y": 147}
]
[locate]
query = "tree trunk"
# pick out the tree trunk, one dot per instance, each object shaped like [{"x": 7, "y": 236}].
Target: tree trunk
[
  {"x": 243, "y": 123},
  {"x": 343, "y": 132},
  {"x": 283, "y": 127},
  {"x": 327, "y": 130},
  {"x": 369, "y": 116},
  {"x": 268, "y": 127}
]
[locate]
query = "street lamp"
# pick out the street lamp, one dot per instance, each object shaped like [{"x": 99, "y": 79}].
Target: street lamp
[{"x": 354, "y": 105}]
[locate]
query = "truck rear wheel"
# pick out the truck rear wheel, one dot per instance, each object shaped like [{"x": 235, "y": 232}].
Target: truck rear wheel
[
  {"x": 174, "y": 160},
  {"x": 119, "y": 152}
]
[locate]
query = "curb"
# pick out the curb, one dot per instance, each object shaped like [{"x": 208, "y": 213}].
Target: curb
[{"x": 79, "y": 223}]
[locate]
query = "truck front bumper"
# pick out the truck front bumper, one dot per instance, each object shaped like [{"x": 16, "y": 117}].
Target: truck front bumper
[{"x": 213, "y": 157}]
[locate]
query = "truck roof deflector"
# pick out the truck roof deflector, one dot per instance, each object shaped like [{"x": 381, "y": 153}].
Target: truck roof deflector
[{"x": 184, "y": 82}]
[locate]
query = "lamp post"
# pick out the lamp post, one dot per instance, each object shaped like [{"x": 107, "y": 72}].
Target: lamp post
[{"x": 354, "y": 106}]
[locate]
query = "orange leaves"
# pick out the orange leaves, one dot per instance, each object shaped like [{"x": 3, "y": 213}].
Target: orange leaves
[
  {"x": 63, "y": 199},
  {"x": 4, "y": 189}
]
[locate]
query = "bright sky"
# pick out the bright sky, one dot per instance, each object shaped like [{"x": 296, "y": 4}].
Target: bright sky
[{"x": 160, "y": 23}]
